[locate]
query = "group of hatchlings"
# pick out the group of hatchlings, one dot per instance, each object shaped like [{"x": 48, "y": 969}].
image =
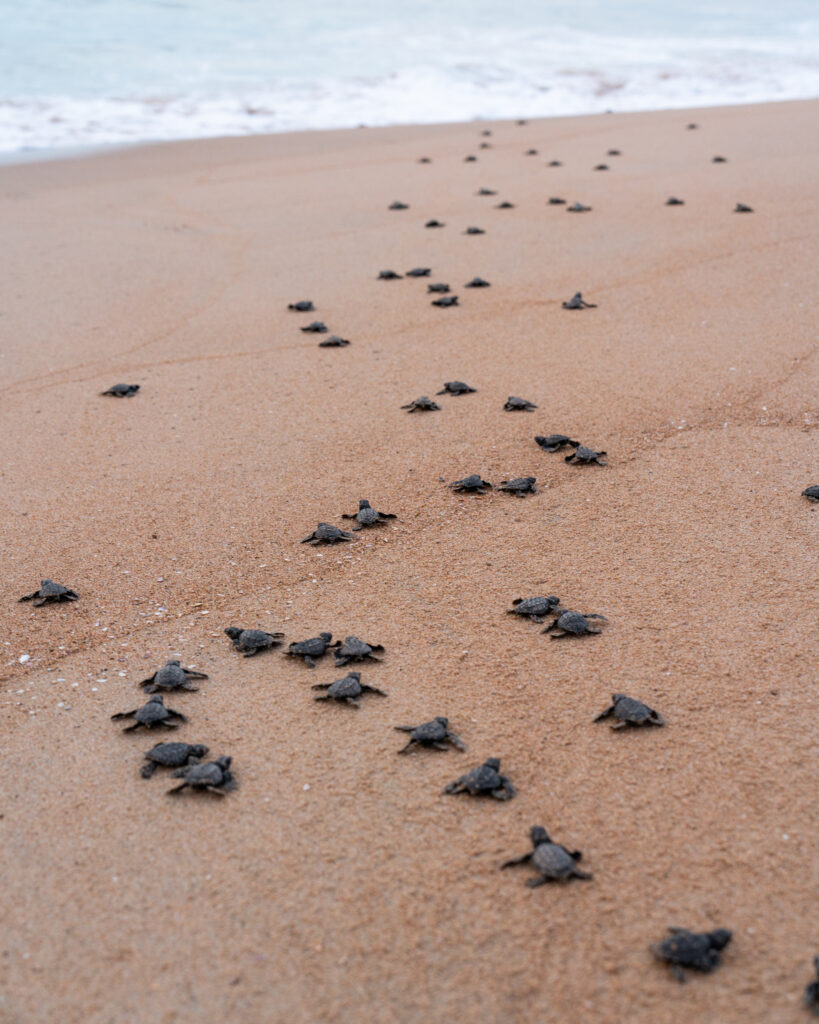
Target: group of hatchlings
[{"x": 550, "y": 860}]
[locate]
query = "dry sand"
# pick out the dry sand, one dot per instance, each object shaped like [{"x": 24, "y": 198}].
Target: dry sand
[{"x": 337, "y": 884}]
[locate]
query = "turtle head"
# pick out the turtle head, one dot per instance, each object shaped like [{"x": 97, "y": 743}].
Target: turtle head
[
  {"x": 443, "y": 721},
  {"x": 539, "y": 835},
  {"x": 617, "y": 696},
  {"x": 363, "y": 503},
  {"x": 224, "y": 762},
  {"x": 174, "y": 662},
  {"x": 233, "y": 632},
  {"x": 157, "y": 698},
  {"x": 198, "y": 750},
  {"x": 720, "y": 938},
  {"x": 354, "y": 675},
  {"x": 326, "y": 637},
  {"x": 492, "y": 762},
  {"x": 46, "y": 583},
  {"x": 552, "y": 599}
]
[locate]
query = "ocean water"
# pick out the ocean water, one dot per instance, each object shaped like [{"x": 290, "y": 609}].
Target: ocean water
[{"x": 89, "y": 72}]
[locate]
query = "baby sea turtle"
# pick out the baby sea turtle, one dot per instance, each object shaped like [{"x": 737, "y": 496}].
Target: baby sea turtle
[
  {"x": 691, "y": 127},
  {"x": 367, "y": 515},
  {"x": 556, "y": 201},
  {"x": 554, "y": 163},
  {"x": 698, "y": 951},
  {"x": 613, "y": 152},
  {"x": 122, "y": 390},
  {"x": 577, "y": 208},
  {"x": 150, "y": 714},
  {"x": 484, "y": 781},
  {"x": 486, "y": 192},
  {"x": 811, "y": 493},
  {"x": 252, "y": 641},
  {"x": 505, "y": 206},
  {"x": 171, "y": 677},
  {"x": 431, "y": 734},
  {"x": 303, "y": 306},
  {"x": 316, "y": 327},
  {"x": 398, "y": 206},
  {"x": 354, "y": 649},
  {"x": 484, "y": 145},
  {"x": 437, "y": 289},
  {"x": 554, "y": 442},
  {"x": 570, "y": 623},
  {"x": 811, "y": 995},
  {"x": 213, "y": 776},
  {"x": 471, "y": 484},
  {"x": 486, "y": 131},
  {"x": 583, "y": 456},
  {"x": 674, "y": 201},
  {"x": 719, "y": 160},
  {"x": 577, "y": 302},
  {"x": 447, "y": 300},
  {"x": 419, "y": 272},
  {"x": 530, "y": 152},
  {"x": 552, "y": 861},
  {"x": 742, "y": 208},
  {"x": 172, "y": 755},
  {"x": 520, "y": 486},
  {"x": 50, "y": 593},
  {"x": 477, "y": 282},
  {"x": 388, "y": 275},
  {"x": 515, "y": 404},
  {"x": 347, "y": 690},
  {"x": 534, "y": 608},
  {"x": 334, "y": 342},
  {"x": 628, "y": 711},
  {"x": 601, "y": 167},
  {"x": 422, "y": 404},
  {"x": 470, "y": 159},
  {"x": 474, "y": 231},
  {"x": 424, "y": 160},
  {"x": 313, "y": 649},
  {"x": 326, "y": 533},
  {"x": 434, "y": 224},
  {"x": 456, "y": 387}
]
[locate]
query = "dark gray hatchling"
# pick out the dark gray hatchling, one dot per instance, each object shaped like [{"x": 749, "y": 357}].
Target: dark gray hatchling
[
  {"x": 534, "y": 608},
  {"x": 742, "y": 208},
  {"x": 368, "y": 516},
  {"x": 556, "y": 201},
  {"x": 583, "y": 456},
  {"x": 434, "y": 224},
  {"x": 486, "y": 192},
  {"x": 554, "y": 442},
  {"x": 600, "y": 167},
  {"x": 555, "y": 163},
  {"x": 355, "y": 649},
  {"x": 553, "y": 862},
  {"x": 347, "y": 690},
  {"x": 419, "y": 272},
  {"x": 251, "y": 641},
  {"x": 474, "y": 231},
  {"x": 811, "y": 493},
  {"x": 570, "y": 623},
  {"x": 303, "y": 306},
  {"x": 485, "y": 780},
  {"x": 313, "y": 649},
  {"x": 334, "y": 341},
  {"x": 577, "y": 208},
  {"x": 431, "y": 734},
  {"x": 445, "y": 302},
  {"x": 171, "y": 677},
  {"x": 398, "y": 205},
  {"x": 698, "y": 951},
  {"x": 389, "y": 275},
  {"x": 520, "y": 486},
  {"x": 719, "y": 160},
  {"x": 456, "y": 387},
  {"x": 674, "y": 201},
  {"x": 316, "y": 327},
  {"x": 515, "y": 404},
  {"x": 121, "y": 390},
  {"x": 578, "y": 302},
  {"x": 172, "y": 755},
  {"x": 477, "y": 282},
  {"x": 326, "y": 533},
  {"x": 811, "y": 994},
  {"x": 627, "y": 711},
  {"x": 472, "y": 484},
  {"x": 151, "y": 714},
  {"x": 505, "y": 206},
  {"x": 439, "y": 288},
  {"x": 211, "y": 776},
  {"x": 422, "y": 404},
  {"x": 50, "y": 593}
]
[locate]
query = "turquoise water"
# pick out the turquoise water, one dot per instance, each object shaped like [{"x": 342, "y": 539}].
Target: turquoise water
[{"x": 78, "y": 72}]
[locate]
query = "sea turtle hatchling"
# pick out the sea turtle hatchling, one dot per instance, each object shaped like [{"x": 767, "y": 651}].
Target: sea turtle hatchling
[
  {"x": 419, "y": 272},
  {"x": 530, "y": 152},
  {"x": 456, "y": 387},
  {"x": 347, "y": 690},
  {"x": 554, "y": 442},
  {"x": 613, "y": 152},
  {"x": 172, "y": 755},
  {"x": 251, "y": 641},
  {"x": 742, "y": 208},
  {"x": 571, "y": 623},
  {"x": 811, "y": 994},
  {"x": 368, "y": 516},
  {"x": 674, "y": 201},
  {"x": 577, "y": 208},
  {"x": 150, "y": 714},
  {"x": 397, "y": 205},
  {"x": 213, "y": 776},
  {"x": 334, "y": 342},
  {"x": 556, "y": 201},
  {"x": 313, "y": 649},
  {"x": 520, "y": 486},
  {"x": 422, "y": 404},
  {"x": 171, "y": 677},
  {"x": 477, "y": 282},
  {"x": 583, "y": 456},
  {"x": 303, "y": 306},
  {"x": 326, "y": 533},
  {"x": 50, "y": 593},
  {"x": 698, "y": 951},
  {"x": 472, "y": 484},
  {"x": 535, "y": 608},
  {"x": 811, "y": 493},
  {"x": 446, "y": 301},
  {"x": 628, "y": 711},
  {"x": 470, "y": 159},
  {"x": 577, "y": 302},
  {"x": 431, "y": 734},
  {"x": 316, "y": 327},
  {"x": 434, "y": 224},
  {"x": 486, "y": 192},
  {"x": 515, "y": 404},
  {"x": 474, "y": 231},
  {"x": 600, "y": 167},
  {"x": 552, "y": 861},
  {"x": 122, "y": 390},
  {"x": 505, "y": 206},
  {"x": 485, "y": 780},
  {"x": 555, "y": 163},
  {"x": 437, "y": 289},
  {"x": 355, "y": 649},
  {"x": 388, "y": 275},
  {"x": 719, "y": 160}
]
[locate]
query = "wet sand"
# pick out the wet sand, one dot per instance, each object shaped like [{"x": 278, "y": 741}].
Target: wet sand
[{"x": 337, "y": 884}]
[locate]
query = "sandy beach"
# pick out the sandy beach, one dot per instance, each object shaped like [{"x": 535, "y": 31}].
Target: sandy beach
[{"x": 337, "y": 884}]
